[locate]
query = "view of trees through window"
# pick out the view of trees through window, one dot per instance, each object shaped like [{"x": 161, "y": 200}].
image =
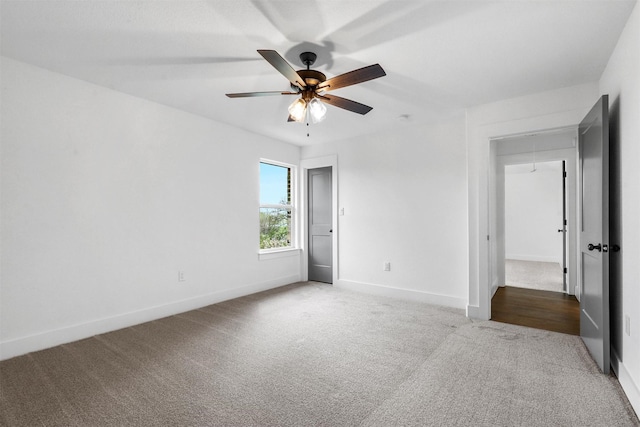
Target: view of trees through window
[{"x": 275, "y": 206}]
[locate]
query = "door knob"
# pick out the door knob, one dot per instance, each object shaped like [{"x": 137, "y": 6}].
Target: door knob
[{"x": 591, "y": 247}]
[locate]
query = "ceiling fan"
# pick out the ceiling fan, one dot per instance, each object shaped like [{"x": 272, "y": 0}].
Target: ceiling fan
[{"x": 313, "y": 86}]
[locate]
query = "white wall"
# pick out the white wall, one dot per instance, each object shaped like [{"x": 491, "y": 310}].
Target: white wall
[
  {"x": 533, "y": 212},
  {"x": 105, "y": 197},
  {"x": 621, "y": 80},
  {"x": 404, "y": 200}
]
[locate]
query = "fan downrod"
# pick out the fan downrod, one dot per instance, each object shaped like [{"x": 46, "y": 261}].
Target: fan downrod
[{"x": 308, "y": 58}]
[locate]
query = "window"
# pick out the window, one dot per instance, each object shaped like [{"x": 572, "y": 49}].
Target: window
[{"x": 276, "y": 206}]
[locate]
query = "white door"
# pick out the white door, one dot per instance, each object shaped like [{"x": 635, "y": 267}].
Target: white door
[
  {"x": 594, "y": 234},
  {"x": 320, "y": 225}
]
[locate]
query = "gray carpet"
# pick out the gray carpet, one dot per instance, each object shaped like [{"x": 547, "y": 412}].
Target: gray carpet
[
  {"x": 543, "y": 276},
  {"x": 311, "y": 354}
]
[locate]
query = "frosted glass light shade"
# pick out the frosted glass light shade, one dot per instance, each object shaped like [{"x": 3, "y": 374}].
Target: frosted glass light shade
[
  {"x": 298, "y": 110},
  {"x": 317, "y": 110}
]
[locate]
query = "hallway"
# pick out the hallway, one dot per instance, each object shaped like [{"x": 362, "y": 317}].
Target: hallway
[{"x": 544, "y": 276}]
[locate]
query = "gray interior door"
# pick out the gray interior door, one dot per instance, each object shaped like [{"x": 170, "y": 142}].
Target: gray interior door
[
  {"x": 594, "y": 233},
  {"x": 320, "y": 225}
]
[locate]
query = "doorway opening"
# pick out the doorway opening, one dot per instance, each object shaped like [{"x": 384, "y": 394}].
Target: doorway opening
[{"x": 535, "y": 226}]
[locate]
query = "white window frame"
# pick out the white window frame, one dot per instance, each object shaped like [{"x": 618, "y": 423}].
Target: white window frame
[{"x": 294, "y": 248}]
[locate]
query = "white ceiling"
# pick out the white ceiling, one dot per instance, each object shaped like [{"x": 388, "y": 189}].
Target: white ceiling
[{"x": 440, "y": 56}]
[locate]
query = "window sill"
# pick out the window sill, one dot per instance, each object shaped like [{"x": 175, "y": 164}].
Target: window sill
[{"x": 278, "y": 253}]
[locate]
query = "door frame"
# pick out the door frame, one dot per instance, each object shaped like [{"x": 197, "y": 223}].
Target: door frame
[
  {"x": 497, "y": 227},
  {"x": 305, "y": 166}
]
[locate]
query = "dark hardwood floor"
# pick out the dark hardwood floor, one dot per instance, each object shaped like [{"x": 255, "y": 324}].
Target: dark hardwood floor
[{"x": 551, "y": 311}]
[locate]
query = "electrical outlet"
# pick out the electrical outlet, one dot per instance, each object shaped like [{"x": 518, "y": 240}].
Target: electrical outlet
[
  {"x": 627, "y": 324},
  {"x": 387, "y": 266},
  {"x": 181, "y": 276}
]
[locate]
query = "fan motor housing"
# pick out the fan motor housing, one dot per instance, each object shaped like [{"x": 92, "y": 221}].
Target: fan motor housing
[{"x": 312, "y": 77}]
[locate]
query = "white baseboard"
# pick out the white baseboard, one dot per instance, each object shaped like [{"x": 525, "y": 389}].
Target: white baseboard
[
  {"x": 629, "y": 386},
  {"x": 400, "y": 293},
  {"x": 494, "y": 287},
  {"x": 41, "y": 341},
  {"x": 473, "y": 312},
  {"x": 538, "y": 258}
]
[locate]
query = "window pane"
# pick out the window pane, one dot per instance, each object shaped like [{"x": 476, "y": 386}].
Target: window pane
[
  {"x": 275, "y": 185},
  {"x": 275, "y": 228}
]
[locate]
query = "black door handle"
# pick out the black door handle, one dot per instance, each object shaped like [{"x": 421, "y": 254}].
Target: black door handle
[{"x": 591, "y": 247}]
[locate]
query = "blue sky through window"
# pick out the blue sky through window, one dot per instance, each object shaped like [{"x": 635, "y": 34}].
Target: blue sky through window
[{"x": 273, "y": 184}]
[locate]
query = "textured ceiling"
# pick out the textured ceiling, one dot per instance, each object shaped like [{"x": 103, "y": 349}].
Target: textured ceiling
[{"x": 440, "y": 56}]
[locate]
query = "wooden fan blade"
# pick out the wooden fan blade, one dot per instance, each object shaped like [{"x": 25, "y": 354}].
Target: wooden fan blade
[
  {"x": 347, "y": 104},
  {"x": 280, "y": 64},
  {"x": 353, "y": 77},
  {"x": 253, "y": 94}
]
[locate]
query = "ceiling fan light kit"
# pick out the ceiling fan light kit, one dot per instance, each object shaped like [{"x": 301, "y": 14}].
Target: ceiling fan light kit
[
  {"x": 312, "y": 86},
  {"x": 297, "y": 110},
  {"x": 317, "y": 110}
]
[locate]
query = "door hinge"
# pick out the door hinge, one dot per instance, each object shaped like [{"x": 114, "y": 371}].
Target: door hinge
[
  {"x": 565, "y": 270},
  {"x": 565, "y": 174}
]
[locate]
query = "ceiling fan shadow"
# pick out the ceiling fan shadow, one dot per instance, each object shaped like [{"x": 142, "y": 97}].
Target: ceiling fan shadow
[
  {"x": 394, "y": 19},
  {"x": 285, "y": 17},
  {"x": 177, "y": 60},
  {"x": 177, "y": 67}
]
